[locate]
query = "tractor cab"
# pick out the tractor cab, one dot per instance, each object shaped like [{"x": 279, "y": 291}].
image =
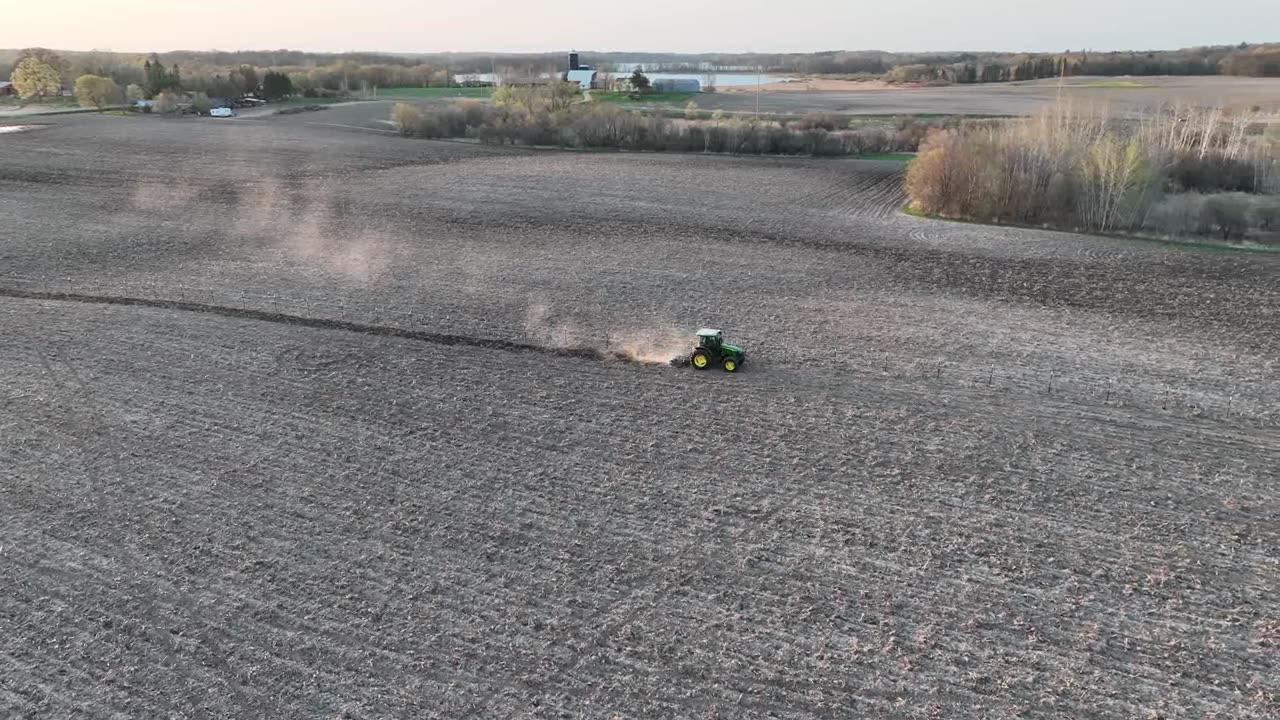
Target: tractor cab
[
  {"x": 713, "y": 349},
  {"x": 710, "y": 339}
]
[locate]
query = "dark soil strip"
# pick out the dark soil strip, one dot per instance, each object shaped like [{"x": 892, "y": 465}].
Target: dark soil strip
[{"x": 323, "y": 324}]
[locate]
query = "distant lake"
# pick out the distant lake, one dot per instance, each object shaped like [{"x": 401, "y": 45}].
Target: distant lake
[{"x": 721, "y": 79}]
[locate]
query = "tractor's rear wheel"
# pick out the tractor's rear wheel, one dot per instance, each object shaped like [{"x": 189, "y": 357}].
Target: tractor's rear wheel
[
  {"x": 701, "y": 359},
  {"x": 731, "y": 364}
]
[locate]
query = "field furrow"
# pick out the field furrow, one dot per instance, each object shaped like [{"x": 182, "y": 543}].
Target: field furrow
[{"x": 347, "y": 424}]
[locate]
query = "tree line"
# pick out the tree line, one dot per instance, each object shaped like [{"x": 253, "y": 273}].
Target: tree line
[
  {"x": 554, "y": 115},
  {"x": 1262, "y": 61},
  {"x": 971, "y": 67},
  {"x": 46, "y": 73},
  {"x": 350, "y": 72},
  {"x": 1178, "y": 172},
  {"x": 218, "y": 74},
  {"x": 39, "y": 73}
]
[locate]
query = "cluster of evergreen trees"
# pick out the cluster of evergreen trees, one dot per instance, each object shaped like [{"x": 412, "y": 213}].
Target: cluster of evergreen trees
[
  {"x": 242, "y": 81},
  {"x": 157, "y": 78}
]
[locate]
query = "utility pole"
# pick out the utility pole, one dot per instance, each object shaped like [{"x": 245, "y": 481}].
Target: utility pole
[{"x": 759, "y": 71}]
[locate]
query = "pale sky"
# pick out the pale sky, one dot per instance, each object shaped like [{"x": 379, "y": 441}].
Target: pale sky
[{"x": 649, "y": 25}]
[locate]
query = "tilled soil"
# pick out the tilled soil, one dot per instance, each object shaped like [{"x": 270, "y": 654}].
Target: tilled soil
[{"x": 301, "y": 421}]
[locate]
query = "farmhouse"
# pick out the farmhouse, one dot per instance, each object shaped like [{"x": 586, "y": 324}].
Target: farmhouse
[{"x": 7, "y": 88}]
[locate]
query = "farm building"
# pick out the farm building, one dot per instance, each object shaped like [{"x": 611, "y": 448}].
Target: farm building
[
  {"x": 7, "y": 88},
  {"x": 583, "y": 75},
  {"x": 680, "y": 85},
  {"x": 584, "y": 78}
]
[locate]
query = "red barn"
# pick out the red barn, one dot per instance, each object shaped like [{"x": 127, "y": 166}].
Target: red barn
[{"x": 7, "y": 88}]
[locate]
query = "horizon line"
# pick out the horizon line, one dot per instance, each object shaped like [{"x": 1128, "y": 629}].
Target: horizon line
[{"x": 534, "y": 53}]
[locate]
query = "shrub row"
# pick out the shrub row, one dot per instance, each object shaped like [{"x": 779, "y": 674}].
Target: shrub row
[{"x": 603, "y": 125}]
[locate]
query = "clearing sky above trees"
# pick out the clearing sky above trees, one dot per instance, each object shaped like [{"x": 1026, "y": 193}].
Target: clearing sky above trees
[{"x": 661, "y": 25}]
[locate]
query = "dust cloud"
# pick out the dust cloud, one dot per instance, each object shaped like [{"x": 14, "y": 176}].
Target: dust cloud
[
  {"x": 643, "y": 345},
  {"x": 652, "y": 346},
  {"x": 545, "y": 327},
  {"x": 296, "y": 223},
  {"x": 300, "y": 224}
]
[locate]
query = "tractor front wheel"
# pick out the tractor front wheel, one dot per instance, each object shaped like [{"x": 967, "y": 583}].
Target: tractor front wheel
[
  {"x": 701, "y": 359},
  {"x": 731, "y": 364}
]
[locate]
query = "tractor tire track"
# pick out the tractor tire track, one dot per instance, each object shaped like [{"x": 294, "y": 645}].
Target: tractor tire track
[{"x": 447, "y": 339}]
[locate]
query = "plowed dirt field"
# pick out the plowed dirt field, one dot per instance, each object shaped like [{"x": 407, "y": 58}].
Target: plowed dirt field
[{"x": 300, "y": 421}]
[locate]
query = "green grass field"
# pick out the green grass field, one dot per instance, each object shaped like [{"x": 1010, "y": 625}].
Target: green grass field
[
  {"x": 648, "y": 99},
  {"x": 436, "y": 92}
]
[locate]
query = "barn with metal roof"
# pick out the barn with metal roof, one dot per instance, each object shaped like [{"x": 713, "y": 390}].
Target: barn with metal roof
[{"x": 584, "y": 78}]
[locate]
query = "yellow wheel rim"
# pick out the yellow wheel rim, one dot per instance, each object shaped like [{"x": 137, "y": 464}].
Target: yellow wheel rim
[
  {"x": 730, "y": 365},
  {"x": 700, "y": 360}
]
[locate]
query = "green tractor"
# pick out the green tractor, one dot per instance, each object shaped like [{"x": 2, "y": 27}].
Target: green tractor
[{"x": 713, "y": 349}]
